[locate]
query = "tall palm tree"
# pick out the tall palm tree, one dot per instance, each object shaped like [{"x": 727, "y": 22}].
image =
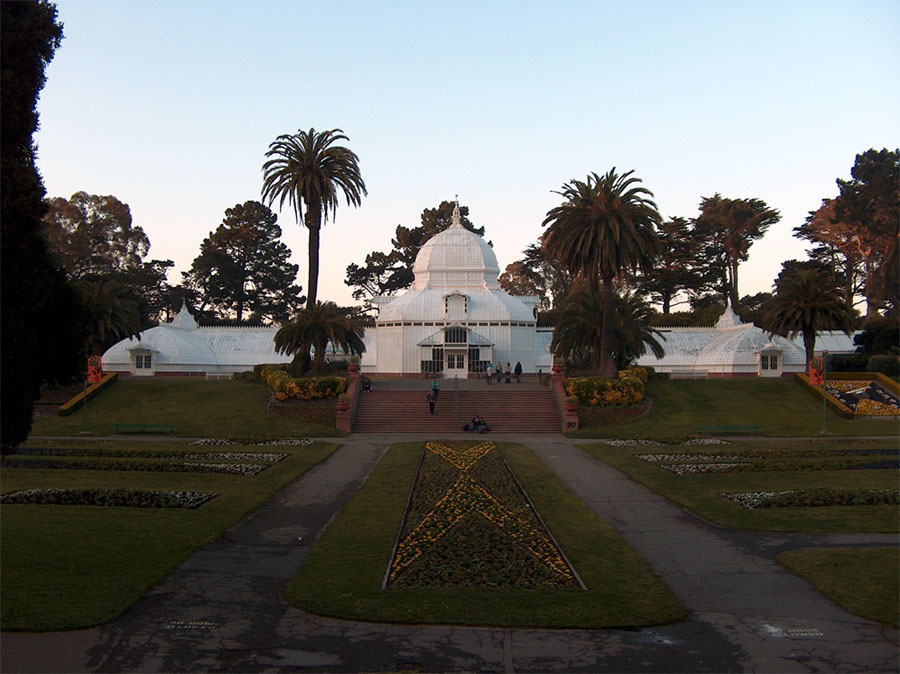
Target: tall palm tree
[
  {"x": 577, "y": 336},
  {"x": 112, "y": 312},
  {"x": 605, "y": 226},
  {"x": 307, "y": 170},
  {"x": 805, "y": 302},
  {"x": 317, "y": 326}
]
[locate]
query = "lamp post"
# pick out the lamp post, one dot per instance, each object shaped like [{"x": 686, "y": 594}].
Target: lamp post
[{"x": 824, "y": 393}]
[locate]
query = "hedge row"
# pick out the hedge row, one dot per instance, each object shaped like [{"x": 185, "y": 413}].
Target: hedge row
[{"x": 309, "y": 388}]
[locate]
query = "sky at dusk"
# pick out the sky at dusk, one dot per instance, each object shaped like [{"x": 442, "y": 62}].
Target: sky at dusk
[{"x": 171, "y": 106}]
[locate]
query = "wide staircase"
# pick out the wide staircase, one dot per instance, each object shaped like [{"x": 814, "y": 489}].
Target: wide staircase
[{"x": 508, "y": 408}]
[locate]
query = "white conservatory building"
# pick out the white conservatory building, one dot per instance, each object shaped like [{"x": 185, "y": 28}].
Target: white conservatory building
[
  {"x": 735, "y": 349},
  {"x": 455, "y": 318},
  {"x": 183, "y": 348},
  {"x": 452, "y": 322}
]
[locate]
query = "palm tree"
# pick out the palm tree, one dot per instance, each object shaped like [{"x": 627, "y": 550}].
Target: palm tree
[
  {"x": 605, "y": 226},
  {"x": 111, "y": 312},
  {"x": 307, "y": 170},
  {"x": 577, "y": 336},
  {"x": 805, "y": 302},
  {"x": 316, "y": 326}
]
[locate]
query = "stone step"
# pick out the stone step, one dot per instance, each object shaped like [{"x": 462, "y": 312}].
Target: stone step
[{"x": 396, "y": 411}]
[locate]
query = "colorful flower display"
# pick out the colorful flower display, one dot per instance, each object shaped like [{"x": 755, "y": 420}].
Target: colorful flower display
[{"x": 466, "y": 493}]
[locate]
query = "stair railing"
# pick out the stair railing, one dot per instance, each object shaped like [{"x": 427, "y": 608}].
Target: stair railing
[{"x": 456, "y": 400}]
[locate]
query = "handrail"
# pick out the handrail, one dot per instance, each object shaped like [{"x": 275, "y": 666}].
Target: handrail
[{"x": 456, "y": 399}]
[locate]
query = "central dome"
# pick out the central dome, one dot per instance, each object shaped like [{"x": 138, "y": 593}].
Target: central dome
[{"x": 456, "y": 258}]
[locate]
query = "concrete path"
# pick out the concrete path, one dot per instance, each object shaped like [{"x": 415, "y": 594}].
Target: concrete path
[{"x": 222, "y": 610}]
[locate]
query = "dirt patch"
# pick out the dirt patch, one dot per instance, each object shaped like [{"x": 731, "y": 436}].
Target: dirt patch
[
  {"x": 602, "y": 416},
  {"x": 318, "y": 412}
]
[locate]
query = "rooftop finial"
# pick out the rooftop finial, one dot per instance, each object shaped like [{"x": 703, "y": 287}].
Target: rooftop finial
[{"x": 457, "y": 220}]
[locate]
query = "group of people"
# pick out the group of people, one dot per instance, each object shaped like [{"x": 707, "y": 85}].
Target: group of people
[
  {"x": 478, "y": 425},
  {"x": 497, "y": 371}
]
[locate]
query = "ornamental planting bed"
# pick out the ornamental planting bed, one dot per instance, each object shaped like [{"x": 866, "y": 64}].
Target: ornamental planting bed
[
  {"x": 866, "y": 398},
  {"x": 469, "y": 523},
  {"x": 803, "y": 485},
  {"x": 162, "y": 461}
]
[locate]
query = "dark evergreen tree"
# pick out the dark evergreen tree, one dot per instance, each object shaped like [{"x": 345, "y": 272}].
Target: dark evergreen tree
[
  {"x": 243, "y": 267},
  {"x": 40, "y": 328},
  {"x": 726, "y": 229}
]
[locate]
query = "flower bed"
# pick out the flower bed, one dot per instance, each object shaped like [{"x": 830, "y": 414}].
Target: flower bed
[
  {"x": 762, "y": 460},
  {"x": 160, "y": 466},
  {"x": 109, "y": 497},
  {"x": 864, "y": 397},
  {"x": 812, "y": 498},
  {"x": 469, "y": 524}
]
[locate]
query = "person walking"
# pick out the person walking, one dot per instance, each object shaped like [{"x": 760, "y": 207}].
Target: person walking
[
  {"x": 508, "y": 372},
  {"x": 518, "y": 372},
  {"x": 436, "y": 388},
  {"x": 490, "y": 373},
  {"x": 432, "y": 399}
]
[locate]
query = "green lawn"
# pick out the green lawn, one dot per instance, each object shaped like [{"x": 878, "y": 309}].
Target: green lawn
[
  {"x": 782, "y": 407},
  {"x": 68, "y": 567},
  {"x": 197, "y": 408},
  {"x": 700, "y": 493},
  {"x": 863, "y": 581},
  {"x": 343, "y": 575}
]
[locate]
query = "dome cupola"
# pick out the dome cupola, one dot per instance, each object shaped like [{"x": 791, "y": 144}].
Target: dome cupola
[{"x": 456, "y": 258}]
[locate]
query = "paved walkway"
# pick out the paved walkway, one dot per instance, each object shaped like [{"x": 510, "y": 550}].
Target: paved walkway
[{"x": 222, "y": 610}]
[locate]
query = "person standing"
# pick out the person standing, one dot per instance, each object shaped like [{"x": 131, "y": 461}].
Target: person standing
[
  {"x": 508, "y": 372},
  {"x": 436, "y": 388},
  {"x": 518, "y": 372},
  {"x": 432, "y": 399},
  {"x": 490, "y": 373}
]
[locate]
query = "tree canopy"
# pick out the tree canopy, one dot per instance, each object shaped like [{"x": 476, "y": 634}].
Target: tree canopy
[
  {"x": 243, "y": 267},
  {"x": 41, "y": 334},
  {"x": 308, "y": 170},
  {"x": 605, "y": 227},
  {"x": 318, "y": 326},
  {"x": 727, "y": 228}
]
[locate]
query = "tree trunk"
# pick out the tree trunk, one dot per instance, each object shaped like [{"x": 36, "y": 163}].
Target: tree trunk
[
  {"x": 733, "y": 285},
  {"x": 607, "y": 364},
  {"x": 809, "y": 344},
  {"x": 314, "y": 225}
]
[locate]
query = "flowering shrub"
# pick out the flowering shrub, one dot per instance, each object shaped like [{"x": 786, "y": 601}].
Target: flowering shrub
[
  {"x": 309, "y": 388},
  {"x": 636, "y": 372},
  {"x": 594, "y": 391}
]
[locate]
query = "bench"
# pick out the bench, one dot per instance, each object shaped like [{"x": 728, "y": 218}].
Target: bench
[
  {"x": 723, "y": 430},
  {"x": 143, "y": 428}
]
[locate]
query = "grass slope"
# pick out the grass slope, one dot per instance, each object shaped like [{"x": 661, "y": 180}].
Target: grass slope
[
  {"x": 342, "y": 577},
  {"x": 197, "y": 408},
  {"x": 781, "y": 406},
  {"x": 863, "y": 581},
  {"x": 68, "y": 567}
]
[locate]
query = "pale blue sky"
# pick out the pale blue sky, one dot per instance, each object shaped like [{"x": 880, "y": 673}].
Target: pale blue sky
[{"x": 171, "y": 107}]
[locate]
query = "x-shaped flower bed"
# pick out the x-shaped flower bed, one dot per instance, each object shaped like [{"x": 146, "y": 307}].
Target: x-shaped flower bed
[{"x": 469, "y": 523}]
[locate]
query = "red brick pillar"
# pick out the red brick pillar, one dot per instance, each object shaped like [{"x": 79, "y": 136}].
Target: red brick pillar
[{"x": 569, "y": 410}]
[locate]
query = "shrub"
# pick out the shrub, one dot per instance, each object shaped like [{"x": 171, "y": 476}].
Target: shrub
[
  {"x": 594, "y": 391},
  {"x": 344, "y": 398},
  {"x": 635, "y": 372},
  {"x": 885, "y": 364},
  {"x": 284, "y": 386},
  {"x": 247, "y": 376}
]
